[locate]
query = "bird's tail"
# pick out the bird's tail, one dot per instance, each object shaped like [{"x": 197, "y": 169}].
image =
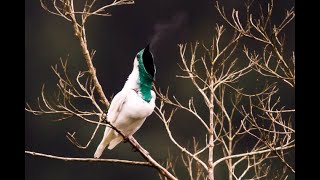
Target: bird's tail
[
  {"x": 109, "y": 135},
  {"x": 115, "y": 141}
]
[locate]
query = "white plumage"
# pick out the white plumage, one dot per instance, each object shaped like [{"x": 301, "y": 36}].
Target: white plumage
[{"x": 127, "y": 112}]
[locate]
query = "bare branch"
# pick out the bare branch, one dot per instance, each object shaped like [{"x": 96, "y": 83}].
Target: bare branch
[
  {"x": 250, "y": 154},
  {"x": 89, "y": 159},
  {"x": 256, "y": 29},
  {"x": 65, "y": 9}
]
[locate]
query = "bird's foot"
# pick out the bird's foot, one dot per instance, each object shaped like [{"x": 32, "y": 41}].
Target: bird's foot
[{"x": 125, "y": 139}]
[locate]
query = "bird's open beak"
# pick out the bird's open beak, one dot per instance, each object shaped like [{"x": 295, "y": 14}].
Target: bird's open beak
[{"x": 148, "y": 62}]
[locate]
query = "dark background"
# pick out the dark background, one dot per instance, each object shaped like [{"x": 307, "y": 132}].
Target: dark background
[{"x": 117, "y": 39}]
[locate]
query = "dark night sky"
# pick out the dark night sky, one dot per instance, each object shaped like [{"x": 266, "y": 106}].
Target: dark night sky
[{"x": 116, "y": 40}]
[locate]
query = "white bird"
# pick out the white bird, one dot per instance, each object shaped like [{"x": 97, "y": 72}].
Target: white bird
[{"x": 133, "y": 104}]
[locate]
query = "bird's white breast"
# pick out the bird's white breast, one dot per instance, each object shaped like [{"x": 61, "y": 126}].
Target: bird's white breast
[{"x": 134, "y": 112}]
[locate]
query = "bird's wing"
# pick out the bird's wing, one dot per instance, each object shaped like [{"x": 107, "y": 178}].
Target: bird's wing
[
  {"x": 113, "y": 113},
  {"x": 116, "y": 105}
]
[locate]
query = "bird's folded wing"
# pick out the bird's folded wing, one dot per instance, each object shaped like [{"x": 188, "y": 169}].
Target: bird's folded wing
[{"x": 116, "y": 105}]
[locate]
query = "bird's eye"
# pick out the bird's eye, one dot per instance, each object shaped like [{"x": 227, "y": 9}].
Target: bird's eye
[{"x": 138, "y": 55}]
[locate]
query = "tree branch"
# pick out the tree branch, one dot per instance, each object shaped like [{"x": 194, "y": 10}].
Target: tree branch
[
  {"x": 250, "y": 154},
  {"x": 89, "y": 159}
]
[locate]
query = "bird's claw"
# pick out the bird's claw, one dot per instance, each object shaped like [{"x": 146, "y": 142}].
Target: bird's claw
[{"x": 125, "y": 139}]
